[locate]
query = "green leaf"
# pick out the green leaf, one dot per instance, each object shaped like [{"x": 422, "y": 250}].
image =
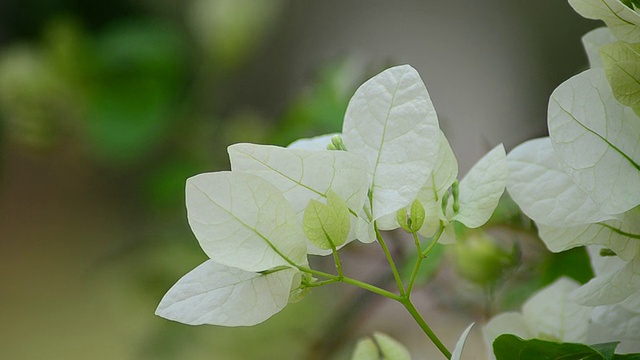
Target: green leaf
[
  {"x": 596, "y": 140},
  {"x": 217, "y": 294},
  {"x": 623, "y": 22},
  {"x": 457, "y": 351},
  {"x": 327, "y": 226},
  {"x": 593, "y": 40},
  {"x": 544, "y": 192},
  {"x": 511, "y": 347},
  {"x": 482, "y": 187},
  {"x": 622, "y": 65},
  {"x": 414, "y": 219},
  {"x": 607, "y": 350},
  {"x": 243, "y": 221},
  {"x": 391, "y": 122}
]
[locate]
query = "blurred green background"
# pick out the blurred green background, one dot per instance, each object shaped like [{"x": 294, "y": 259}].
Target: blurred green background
[{"x": 107, "y": 107}]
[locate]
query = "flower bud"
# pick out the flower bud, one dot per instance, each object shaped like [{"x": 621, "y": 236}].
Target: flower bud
[
  {"x": 338, "y": 144},
  {"x": 480, "y": 260}
]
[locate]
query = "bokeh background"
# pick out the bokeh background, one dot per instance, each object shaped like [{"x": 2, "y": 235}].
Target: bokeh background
[{"x": 107, "y": 107}]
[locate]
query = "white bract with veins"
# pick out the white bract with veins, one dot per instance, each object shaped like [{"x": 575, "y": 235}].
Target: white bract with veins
[
  {"x": 550, "y": 314},
  {"x": 581, "y": 185},
  {"x": 623, "y": 22},
  {"x": 260, "y": 221},
  {"x": 391, "y": 122}
]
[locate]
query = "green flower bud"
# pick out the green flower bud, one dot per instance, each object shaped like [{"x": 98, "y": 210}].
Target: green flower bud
[
  {"x": 416, "y": 216},
  {"x": 403, "y": 220},
  {"x": 607, "y": 252},
  {"x": 445, "y": 202},
  {"x": 336, "y": 141},
  {"x": 413, "y": 220},
  {"x": 455, "y": 192},
  {"x": 480, "y": 260},
  {"x": 300, "y": 287}
]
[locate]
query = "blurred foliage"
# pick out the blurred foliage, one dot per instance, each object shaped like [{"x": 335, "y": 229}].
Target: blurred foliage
[
  {"x": 229, "y": 30},
  {"x": 133, "y": 95},
  {"x": 142, "y": 99},
  {"x": 320, "y": 109}
]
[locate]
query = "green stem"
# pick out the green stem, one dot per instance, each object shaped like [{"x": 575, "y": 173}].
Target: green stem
[
  {"x": 406, "y": 302},
  {"x": 416, "y": 266},
  {"x": 422, "y": 255},
  {"x": 363, "y": 285},
  {"x": 323, "y": 282},
  {"x": 336, "y": 260},
  {"x": 394, "y": 270},
  {"x": 434, "y": 240},
  {"x": 372, "y": 288}
]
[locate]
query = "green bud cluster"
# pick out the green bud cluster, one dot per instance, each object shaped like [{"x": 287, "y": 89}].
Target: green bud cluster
[{"x": 412, "y": 220}]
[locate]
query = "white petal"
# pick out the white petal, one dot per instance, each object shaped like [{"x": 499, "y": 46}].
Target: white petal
[
  {"x": 392, "y": 123},
  {"x": 390, "y": 348},
  {"x": 430, "y": 196},
  {"x": 243, "y": 221},
  {"x": 616, "y": 323},
  {"x": 621, "y": 236},
  {"x": 543, "y": 191},
  {"x": 604, "y": 265},
  {"x": 612, "y": 287},
  {"x": 482, "y": 187},
  {"x": 623, "y": 22},
  {"x": 216, "y": 294},
  {"x": 597, "y": 140},
  {"x": 315, "y": 143},
  {"x": 505, "y": 323},
  {"x": 457, "y": 351},
  {"x": 304, "y": 175},
  {"x": 593, "y": 40},
  {"x": 551, "y": 314},
  {"x": 366, "y": 349}
]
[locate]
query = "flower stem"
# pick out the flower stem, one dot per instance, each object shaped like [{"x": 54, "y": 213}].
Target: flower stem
[
  {"x": 348, "y": 280},
  {"x": 406, "y": 302},
  {"x": 422, "y": 255},
  {"x": 434, "y": 240},
  {"x": 392, "y": 264},
  {"x": 416, "y": 267},
  {"x": 336, "y": 260}
]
